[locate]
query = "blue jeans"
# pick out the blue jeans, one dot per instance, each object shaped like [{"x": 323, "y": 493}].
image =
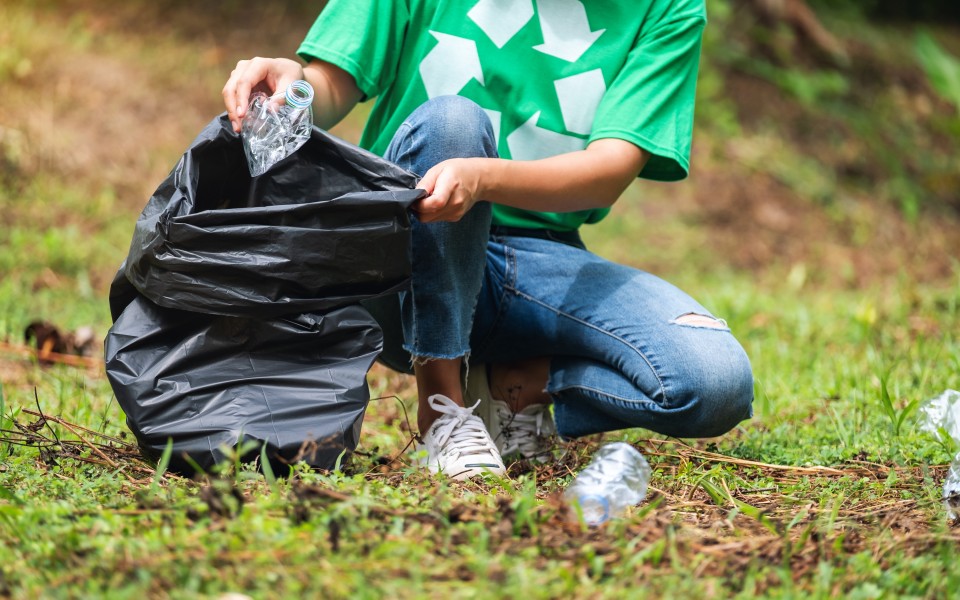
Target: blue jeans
[{"x": 626, "y": 348}]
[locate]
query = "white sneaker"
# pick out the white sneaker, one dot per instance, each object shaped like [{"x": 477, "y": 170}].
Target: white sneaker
[
  {"x": 529, "y": 433},
  {"x": 457, "y": 444}
]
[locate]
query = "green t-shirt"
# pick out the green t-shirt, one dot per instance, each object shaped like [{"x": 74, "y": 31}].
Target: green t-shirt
[{"x": 553, "y": 75}]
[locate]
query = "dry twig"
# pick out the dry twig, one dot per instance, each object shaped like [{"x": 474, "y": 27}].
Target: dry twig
[{"x": 72, "y": 360}]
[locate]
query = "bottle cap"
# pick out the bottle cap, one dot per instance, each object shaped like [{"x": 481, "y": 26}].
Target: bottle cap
[{"x": 594, "y": 507}]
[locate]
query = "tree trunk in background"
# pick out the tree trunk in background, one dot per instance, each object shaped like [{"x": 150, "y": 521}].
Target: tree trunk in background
[{"x": 801, "y": 18}]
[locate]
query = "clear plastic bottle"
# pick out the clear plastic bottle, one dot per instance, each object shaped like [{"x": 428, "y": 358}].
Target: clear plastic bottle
[
  {"x": 951, "y": 491},
  {"x": 616, "y": 478},
  {"x": 941, "y": 417},
  {"x": 272, "y": 131}
]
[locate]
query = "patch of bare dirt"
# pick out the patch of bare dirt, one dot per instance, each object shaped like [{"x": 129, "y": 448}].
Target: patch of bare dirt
[
  {"x": 110, "y": 117},
  {"x": 755, "y": 222},
  {"x": 852, "y": 230}
]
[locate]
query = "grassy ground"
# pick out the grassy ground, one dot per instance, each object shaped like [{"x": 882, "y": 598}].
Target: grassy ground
[{"x": 849, "y": 313}]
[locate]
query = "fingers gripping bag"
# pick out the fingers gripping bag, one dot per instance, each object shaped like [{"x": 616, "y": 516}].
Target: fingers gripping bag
[{"x": 237, "y": 313}]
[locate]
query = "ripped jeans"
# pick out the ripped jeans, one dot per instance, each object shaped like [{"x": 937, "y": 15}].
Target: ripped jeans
[{"x": 626, "y": 348}]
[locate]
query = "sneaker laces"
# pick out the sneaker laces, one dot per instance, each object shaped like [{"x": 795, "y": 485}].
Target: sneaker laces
[
  {"x": 458, "y": 432},
  {"x": 522, "y": 431}
]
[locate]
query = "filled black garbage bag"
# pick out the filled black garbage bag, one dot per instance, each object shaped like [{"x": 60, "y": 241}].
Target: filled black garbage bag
[
  {"x": 236, "y": 313},
  {"x": 297, "y": 384}
]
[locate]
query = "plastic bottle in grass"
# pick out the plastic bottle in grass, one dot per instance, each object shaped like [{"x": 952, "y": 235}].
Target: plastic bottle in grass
[
  {"x": 941, "y": 417},
  {"x": 616, "y": 478},
  {"x": 273, "y": 130}
]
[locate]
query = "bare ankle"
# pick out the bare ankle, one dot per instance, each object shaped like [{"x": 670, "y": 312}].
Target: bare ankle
[
  {"x": 436, "y": 376},
  {"x": 520, "y": 384}
]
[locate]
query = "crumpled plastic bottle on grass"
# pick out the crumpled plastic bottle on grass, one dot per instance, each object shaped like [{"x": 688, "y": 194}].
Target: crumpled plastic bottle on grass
[
  {"x": 941, "y": 416},
  {"x": 616, "y": 478}
]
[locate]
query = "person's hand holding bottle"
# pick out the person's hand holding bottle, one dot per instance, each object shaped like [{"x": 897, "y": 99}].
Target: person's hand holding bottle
[
  {"x": 335, "y": 91},
  {"x": 267, "y": 75}
]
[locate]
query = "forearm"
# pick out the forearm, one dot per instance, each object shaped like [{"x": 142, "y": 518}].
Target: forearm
[
  {"x": 591, "y": 178},
  {"x": 335, "y": 93}
]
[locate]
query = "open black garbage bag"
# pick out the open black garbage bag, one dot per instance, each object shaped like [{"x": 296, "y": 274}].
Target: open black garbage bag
[{"x": 236, "y": 313}]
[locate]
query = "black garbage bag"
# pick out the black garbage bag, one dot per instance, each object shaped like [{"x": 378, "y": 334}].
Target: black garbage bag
[{"x": 236, "y": 313}]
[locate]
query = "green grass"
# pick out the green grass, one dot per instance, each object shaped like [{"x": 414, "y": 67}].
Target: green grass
[
  {"x": 831, "y": 490},
  {"x": 833, "y": 379}
]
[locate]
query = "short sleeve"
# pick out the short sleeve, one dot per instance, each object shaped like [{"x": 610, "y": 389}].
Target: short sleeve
[
  {"x": 650, "y": 102},
  {"x": 362, "y": 37}
]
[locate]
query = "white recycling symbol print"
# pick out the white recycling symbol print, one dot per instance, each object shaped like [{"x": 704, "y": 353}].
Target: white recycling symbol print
[
  {"x": 501, "y": 19},
  {"x": 455, "y": 61},
  {"x": 438, "y": 77},
  {"x": 566, "y": 32},
  {"x": 579, "y": 97}
]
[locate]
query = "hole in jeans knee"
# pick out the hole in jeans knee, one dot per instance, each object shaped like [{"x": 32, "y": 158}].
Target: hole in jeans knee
[{"x": 698, "y": 320}]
